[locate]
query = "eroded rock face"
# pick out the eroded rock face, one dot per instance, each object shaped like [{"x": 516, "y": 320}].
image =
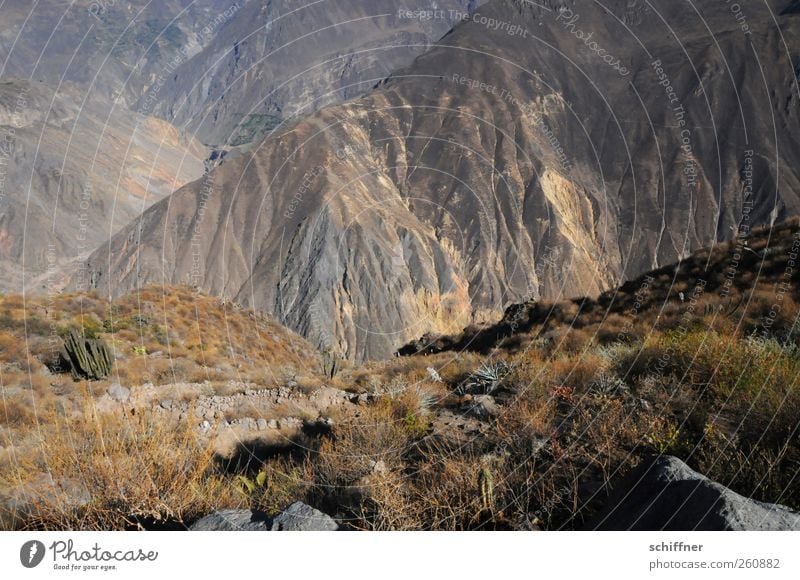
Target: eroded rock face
[
  {"x": 666, "y": 494},
  {"x": 73, "y": 171},
  {"x": 436, "y": 200},
  {"x": 111, "y": 103},
  {"x": 269, "y": 62}
]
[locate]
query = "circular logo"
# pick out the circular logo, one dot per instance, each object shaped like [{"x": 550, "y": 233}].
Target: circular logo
[{"x": 31, "y": 554}]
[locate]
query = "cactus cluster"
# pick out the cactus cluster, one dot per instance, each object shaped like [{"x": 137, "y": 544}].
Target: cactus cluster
[
  {"x": 330, "y": 363},
  {"x": 85, "y": 358}
]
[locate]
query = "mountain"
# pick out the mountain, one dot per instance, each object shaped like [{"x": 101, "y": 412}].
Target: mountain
[
  {"x": 73, "y": 171},
  {"x": 203, "y": 65},
  {"x": 267, "y": 62},
  {"x": 539, "y": 150},
  {"x": 744, "y": 283},
  {"x": 227, "y": 71},
  {"x": 114, "y": 50}
]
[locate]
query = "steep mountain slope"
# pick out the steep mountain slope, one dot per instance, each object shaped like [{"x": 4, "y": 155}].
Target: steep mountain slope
[
  {"x": 113, "y": 66},
  {"x": 746, "y": 286},
  {"x": 72, "y": 173},
  {"x": 111, "y": 49},
  {"x": 228, "y": 70},
  {"x": 271, "y": 61},
  {"x": 539, "y": 150}
]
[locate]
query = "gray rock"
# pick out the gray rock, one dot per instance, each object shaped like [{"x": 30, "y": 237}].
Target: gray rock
[
  {"x": 297, "y": 517},
  {"x": 378, "y": 466},
  {"x": 167, "y": 404},
  {"x": 233, "y": 520},
  {"x": 300, "y": 517},
  {"x": 261, "y": 424},
  {"x": 666, "y": 494},
  {"x": 119, "y": 393},
  {"x": 483, "y": 407}
]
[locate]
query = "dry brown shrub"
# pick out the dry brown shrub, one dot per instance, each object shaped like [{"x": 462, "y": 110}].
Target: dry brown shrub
[{"x": 132, "y": 471}]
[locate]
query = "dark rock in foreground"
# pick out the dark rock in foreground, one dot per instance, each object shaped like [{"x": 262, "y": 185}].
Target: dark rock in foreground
[
  {"x": 233, "y": 521},
  {"x": 666, "y": 494},
  {"x": 297, "y": 517},
  {"x": 300, "y": 517}
]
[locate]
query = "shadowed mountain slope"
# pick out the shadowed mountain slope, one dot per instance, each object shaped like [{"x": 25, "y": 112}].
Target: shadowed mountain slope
[
  {"x": 746, "y": 282},
  {"x": 538, "y": 151}
]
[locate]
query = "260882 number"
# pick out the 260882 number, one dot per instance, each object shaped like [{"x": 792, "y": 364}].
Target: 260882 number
[{"x": 758, "y": 563}]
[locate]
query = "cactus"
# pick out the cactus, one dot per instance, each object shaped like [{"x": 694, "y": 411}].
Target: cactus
[
  {"x": 330, "y": 363},
  {"x": 85, "y": 358},
  {"x": 486, "y": 487}
]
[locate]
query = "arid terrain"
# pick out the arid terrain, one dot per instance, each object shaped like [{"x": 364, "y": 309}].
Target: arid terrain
[
  {"x": 349, "y": 264},
  {"x": 554, "y": 404},
  {"x": 495, "y": 168}
]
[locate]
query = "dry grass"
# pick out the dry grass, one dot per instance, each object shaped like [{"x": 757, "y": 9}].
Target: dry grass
[
  {"x": 570, "y": 422},
  {"x": 160, "y": 335},
  {"x": 592, "y": 387},
  {"x": 112, "y": 471}
]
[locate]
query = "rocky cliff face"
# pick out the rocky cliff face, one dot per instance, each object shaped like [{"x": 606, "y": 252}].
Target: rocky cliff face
[
  {"x": 550, "y": 149},
  {"x": 110, "y": 48},
  {"x": 267, "y": 62},
  {"x": 73, "y": 171},
  {"x": 87, "y": 83}
]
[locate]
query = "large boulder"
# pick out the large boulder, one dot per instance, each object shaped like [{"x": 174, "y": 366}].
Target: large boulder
[
  {"x": 233, "y": 521},
  {"x": 297, "y": 517},
  {"x": 300, "y": 517},
  {"x": 666, "y": 494}
]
